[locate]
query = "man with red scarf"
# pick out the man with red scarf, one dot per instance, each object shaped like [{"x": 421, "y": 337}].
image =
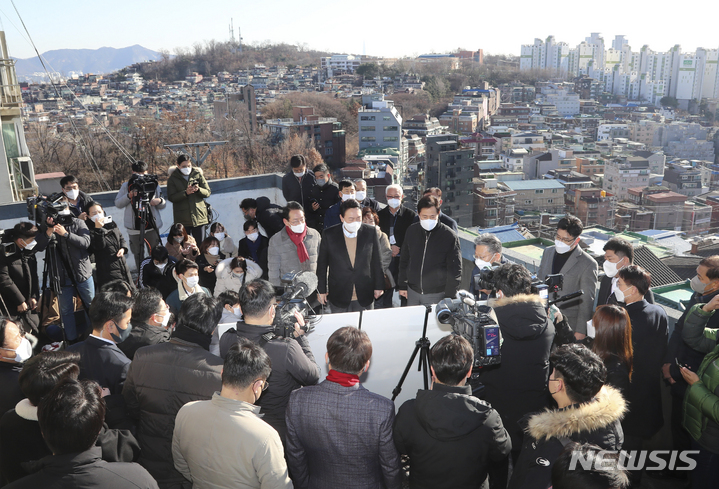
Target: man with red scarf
[
  {"x": 339, "y": 434},
  {"x": 294, "y": 249}
]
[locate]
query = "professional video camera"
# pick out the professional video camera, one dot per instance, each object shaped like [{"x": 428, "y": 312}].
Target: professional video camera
[
  {"x": 7, "y": 245},
  {"x": 145, "y": 185},
  {"x": 299, "y": 287},
  {"x": 39, "y": 208},
  {"x": 473, "y": 322}
]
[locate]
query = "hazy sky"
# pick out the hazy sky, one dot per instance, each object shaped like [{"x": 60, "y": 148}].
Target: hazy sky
[{"x": 382, "y": 28}]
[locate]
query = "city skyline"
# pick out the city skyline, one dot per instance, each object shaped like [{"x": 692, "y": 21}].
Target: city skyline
[{"x": 342, "y": 29}]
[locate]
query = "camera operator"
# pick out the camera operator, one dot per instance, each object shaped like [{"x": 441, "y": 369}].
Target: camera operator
[
  {"x": 77, "y": 200},
  {"x": 293, "y": 364},
  {"x": 519, "y": 385},
  {"x": 18, "y": 273},
  {"x": 487, "y": 250},
  {"x": 187, "y": 189},
  {"x": 75, "y": 270},
  {"x": 126, "y": 198}
]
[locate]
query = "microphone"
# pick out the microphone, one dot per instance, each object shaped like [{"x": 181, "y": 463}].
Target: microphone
[{"x": 567, "y": 297}]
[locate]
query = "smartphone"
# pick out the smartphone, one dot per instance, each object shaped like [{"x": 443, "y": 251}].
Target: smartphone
[{"x": 676, "y": 360}]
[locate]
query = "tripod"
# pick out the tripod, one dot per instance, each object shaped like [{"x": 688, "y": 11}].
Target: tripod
[
  {"x": 421, "y": 346},
  {"x": 143, "y": 215},
  {"x": 52, "y": 270}
]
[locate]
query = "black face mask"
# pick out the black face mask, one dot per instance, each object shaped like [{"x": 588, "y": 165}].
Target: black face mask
[{"x": 124, "y": 333}]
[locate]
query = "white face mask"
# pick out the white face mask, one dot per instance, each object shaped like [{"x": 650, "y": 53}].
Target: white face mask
[
  {"x": 298, "y": 174},
  {"x": 22, "y": 352},
  {"x": 351, "y": 228},
  {"x": 178, "y": 239},
  {"x": 161, "y": 266},
  {"x": 620, "y": 294},
  {"x": 99, "y": 215},
  {"x": 193, "y": 281},
  {"x": 220, "y": 236},
  {"x": 253, "y": 236},
  {"x": 611, "y": 269},
  {"x": 29, "y": 246},
  {"x": 165, "y": 319},
  {"x": 298, "y": 228},
  {"x": 561, "y": 247},
  {"x": 72, "y": 194},
  {"x": 213, "y": 250},
  {"x": 394, "y": 203},
  {"x": 360, "y": 195},
  {"x": 428, "y": 224},
  {"x": 237, "y": 311},
  {"x": 483, "y": 264},
  {"x": 186, "y": 171},
  {"x": 348, "y": 196}
]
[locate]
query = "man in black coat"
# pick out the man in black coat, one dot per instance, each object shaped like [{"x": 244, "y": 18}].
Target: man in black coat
[
  {"x": 452, "y": 438},
  {"x": 18, "y": 274},
  {"x": 363, "y": 198},
  {"x": 325, "y": 194},
  {"x": 100, "y": 358},
  {"x": 430, "y": 267},
  {"x": 70, "y": 419},
  {"x": 254, "y": 246},
  {"x": 156, "y": 271},
  {"x": 394, "y": 220},
  {"x": 293, "y": 364},
  {"x": 443, "y": 218},
  {"x": 618, "y": 253},
  {"x": 150, "y": 318},
  {"x": 649, "y": 340},
  {"x": 266, "y": 213},
  {"x": 78, "y": 201},
  {"x": 518, "y": 385},
  {"x": 297, "y": 183},
  {"x": 352, "y": 254}
]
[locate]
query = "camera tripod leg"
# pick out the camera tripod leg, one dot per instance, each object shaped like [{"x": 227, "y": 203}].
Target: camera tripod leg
[{"x": 422, "y": 346}]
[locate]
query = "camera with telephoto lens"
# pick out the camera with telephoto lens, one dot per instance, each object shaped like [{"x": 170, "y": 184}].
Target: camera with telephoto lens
[
  {"x": 39, "y": 208},
  {"x": 298, "y": 287},
  {"x": 144, "y": 185},
  {"x": 472, "y": 321}
]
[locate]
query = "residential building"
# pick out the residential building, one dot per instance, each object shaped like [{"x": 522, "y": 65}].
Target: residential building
[
  {"x": 240, "y": 105},
  {"x": 684, "y": 179},
  {"x": 538, "y": 195},
  {"x": 422, "y": 125},
  {"x": 537, "y": 165},
  {"x": 460, "y": 121},
  {"x": 380, "y": 126},
  {"x": 513, "y": 159},
  {"x": 495, "y": 203},
  {"x": 621, "y": 174},
  {"x": 592, "y": 205},
  {"x": 339, "y": 64}
]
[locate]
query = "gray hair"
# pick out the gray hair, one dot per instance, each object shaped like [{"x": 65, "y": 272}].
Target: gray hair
[
  {"x": 360, "y": 180},
  {"x": 396, "y": 187},
  {"x": 493, "y": 244}
]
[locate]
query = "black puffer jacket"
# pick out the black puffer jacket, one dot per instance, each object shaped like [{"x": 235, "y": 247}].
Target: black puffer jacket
[
  {"x": 519, "y": 385},
  {"x": 451, "y": 437},
  {"x": 18, "y": 279},
  {"x": 73, "y": 248},
  {"x": 596, "y": 422},
  {"x": 269, "y": 215},
  {"x": 163, "y": 378},
  {"x": 107, "y": 241},
  {"x": 326, "y": 197},
  {"x": 430, "y": 261}
]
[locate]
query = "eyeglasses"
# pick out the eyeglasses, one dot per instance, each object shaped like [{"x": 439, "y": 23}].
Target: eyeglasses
[
  {"x": 568, "y": 240},
  {"x": 265, "y": 384}
]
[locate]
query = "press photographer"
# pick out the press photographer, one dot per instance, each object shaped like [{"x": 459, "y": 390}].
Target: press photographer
[
  {"x": 293, "y": 364},
  {"x": 131, "y": 197},
  {"x": 18, "y": 273},
  {"x": 518, "y": 386}
]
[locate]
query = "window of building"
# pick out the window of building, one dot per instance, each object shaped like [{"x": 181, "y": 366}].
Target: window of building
[
  {"x": 390, "y": 138},
  {"x": 391, "y": 128},
  {"x": 386, "y": 118},
  {"x": 328, "y": 151},
  {"x": 366, "y": 117},
  {"x": 367, "y": 139},
  {"x": 539, "y": 191},
  {"x": 527, "y": 201},
  {"x": 367, "y": 128}
]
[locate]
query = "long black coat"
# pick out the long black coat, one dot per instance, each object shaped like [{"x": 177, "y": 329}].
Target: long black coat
[
  {"x": 208, "y": 279},
  {"x": 326, "y": 197},
  {"x": 365, "y": 276},
  {"x": 18, "y": 279},
  {"x": 269, "y": 215},
  {"x": 243, "y": 250},
  {"x": 298, "y": 189},
  {"x": 649, "y": 340},
  {"x": 606, "y": 296},
  {"x": 107, "y": 241}
]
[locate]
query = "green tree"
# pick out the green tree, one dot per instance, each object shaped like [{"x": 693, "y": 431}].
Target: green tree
[
  {"x": 368, "y": 70},
  {"x": 669, "y": 102}
]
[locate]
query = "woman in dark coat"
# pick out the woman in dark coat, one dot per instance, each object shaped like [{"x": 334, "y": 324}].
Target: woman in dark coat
[
  {"x": 109, "y": 248},
  {"x": 210, "y": 256},
  {"x": 613, "y": 344},
  {"x": 254, "y": 246}
]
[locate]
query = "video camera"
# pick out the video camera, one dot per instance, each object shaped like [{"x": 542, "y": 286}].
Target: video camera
[
  {"x": 299, "y": 287},
  {"x": 144, "y": 185},
  {"x": 472, "y": 321},
  {"x": 7, "y": 243},
  {"x": 40, "y": 207}
]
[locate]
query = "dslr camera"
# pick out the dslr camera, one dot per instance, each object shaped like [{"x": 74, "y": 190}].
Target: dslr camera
[
  {"x": 472, "y": 321},
  {"x": 298, "y": 287},
  {"x": 39, "y": 208}
]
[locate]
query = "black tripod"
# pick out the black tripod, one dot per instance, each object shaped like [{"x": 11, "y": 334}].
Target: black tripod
[
  {"x": 144, "y": 218},
  {"x": 422, "y": 346},
  {"x": 52, "y": 270}
]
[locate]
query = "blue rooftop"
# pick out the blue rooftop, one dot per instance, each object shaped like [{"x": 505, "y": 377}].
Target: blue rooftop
[
  {"x": 533, "y": 184},
  {"x": 506, "y": 234}
]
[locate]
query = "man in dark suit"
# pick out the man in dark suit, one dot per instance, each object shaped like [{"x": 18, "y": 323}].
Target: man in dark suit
[
  {"x": 352, "y": 254},
  {"x": 579, "y": 271},
  {"x": 150, "y": 318},
  {"x": 347, "y": 191},
  {"x": 443, "y": 218},
  {"x": 298, "y": 182},
  {"x": 100, "y": 358},
  {"x": 394, "y": 220},
  {"x": 618, "y": 253},
  {"x": 339, "y": 434}
]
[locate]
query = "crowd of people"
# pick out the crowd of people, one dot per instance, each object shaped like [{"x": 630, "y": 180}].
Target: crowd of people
[{"x": 180, "y": 378}]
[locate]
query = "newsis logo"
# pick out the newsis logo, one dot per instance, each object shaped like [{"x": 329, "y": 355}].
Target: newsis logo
[{"x": 634, "y": 460}]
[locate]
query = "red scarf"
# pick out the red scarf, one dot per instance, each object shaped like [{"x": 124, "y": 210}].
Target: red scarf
[
  {"x": 345, "y": 380},
  {"x": 299, "y": 241}
]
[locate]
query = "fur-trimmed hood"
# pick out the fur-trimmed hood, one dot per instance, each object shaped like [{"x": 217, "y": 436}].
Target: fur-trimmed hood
[
  {"x": 172, "y": 169},
  {"x": 521, "y": 316},
  {"x": 604, "y": 410},
  {"x": 516, "y": 299}
]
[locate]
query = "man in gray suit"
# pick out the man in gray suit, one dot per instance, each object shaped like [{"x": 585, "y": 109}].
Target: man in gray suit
[
  {"x": 339, "y": 434},
  {"x": 579, "y": 271}
]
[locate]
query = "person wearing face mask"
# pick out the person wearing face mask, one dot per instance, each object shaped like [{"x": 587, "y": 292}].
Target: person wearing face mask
[
  {"x": 78, "y": 201},
  {"x": 210, "y": 257},
  {"x": 18, "y": 276},
  {"x": 518, "y": 386},
  {"x": 352, "y": 254},
  {"x": 227, "y": 247},
  {"x": 254, "y": 246},
  {"x": 15, "y": 349},
  {"x": 188, "y": 283},
  {"x": 231, "y": 313},
  {"x": 369, "y": 216},
  {"x": 394, "y": 220},
  {"x": 649, "y": 342},
  {"x": 101, "y": 359},
  {"x": 180, "y": 244},
  {"x": 578, "y": 269},
  {"x": 264, "y": 212},
  {"x": 443, "y": 218},
  {"x": 292, "y": 358},
  {"x": 157, "y": 271},
  {"x": 296, "y": 248},
  {"x": 618, "y": 253},
  {"x": 588, "y": 411},
  {"x": 363, "y": 198},
  {"x": 207, "y": 433},
  {"x": 150, "y": 322},
  {"x": 109, "y": 247},
  {"x": 187, "y": 189},
  {"x": 430, "y": 266},
  {"x": 487, "y": 253},
  {"x": 347, "y": 191},
  {"x": 325, "y": 194},
  {"x": 233, "y": 273},
  {"x": 297, "y": 183}
]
